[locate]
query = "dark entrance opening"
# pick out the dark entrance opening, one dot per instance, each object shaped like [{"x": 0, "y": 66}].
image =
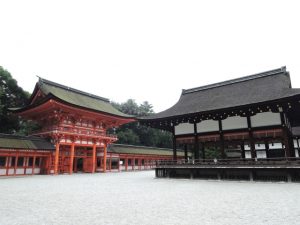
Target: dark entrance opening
[{"x": 79, "y": 165}]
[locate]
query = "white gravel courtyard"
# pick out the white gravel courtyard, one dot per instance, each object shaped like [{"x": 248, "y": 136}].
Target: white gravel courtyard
[{"x": 139, "y": 198}]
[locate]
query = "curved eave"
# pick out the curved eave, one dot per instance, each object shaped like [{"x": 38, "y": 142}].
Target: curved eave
[
  {"x": 157, "y": 117},
  {"x": 53, "y": 97}
]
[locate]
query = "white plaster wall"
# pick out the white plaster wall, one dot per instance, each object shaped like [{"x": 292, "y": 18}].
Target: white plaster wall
[
  {"x": 10, "y": 171},
  {"x": 37, "y": 170},
  {"x": 275, "y": 145},
  {"x": 235, "y": 122},
  {"x": 260, "y": 146},
  {"x": 247, "y": 154},
  {"x": 20, "y": 171},
  {"x": 265, "y": 119},
  {"x": 207, "y": 126},
  {"x": 247, "y": 146},
  {"x": 295, "y": 143},
  {"x": 2, "y": 171},
  {"x": 261, "y": 154},
  {"x": 28, "y": 171},
  {"x": 184, "y": 128}
]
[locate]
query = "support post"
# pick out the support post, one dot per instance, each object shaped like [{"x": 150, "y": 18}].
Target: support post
[
  {"x": 203, "y": 150},
  {"x": 56, "y": 158},
  {"x": 251, "y": 140},
  {"x": 243, "y": 150},
  {"x": 72, "y": 158},
  {"x": 287, "y": 138},
  {"x": 196, "y": 143},
  {"x": 33, "y": 163},
  {"x": 94, "y": 158},
  {"x": 222, "y": 145},
  {"x": 174, "y": 145},
  {"x": 16, "y": 163},
  {"x": 110, "y": 161},
  {"x": 126, "y": 163},
  {"x": 104, "y": 157},
  {"x": 185, "y": 153},
  {"x": 267, "y": 149},
  {"x": 8, "y": 160}
]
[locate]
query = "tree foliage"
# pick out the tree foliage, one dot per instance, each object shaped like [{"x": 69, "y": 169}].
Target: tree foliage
[
  {"x": 11, "y": 96},
  {"x": 136, "y": 134}
]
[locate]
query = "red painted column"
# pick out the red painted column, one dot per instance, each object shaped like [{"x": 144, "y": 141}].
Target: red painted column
[
  {"x": 126, "y": 163},
  {"x": 33, "y": 164},
  {"x": 94, "y": 159},
  {"x": 56, "y": 158},
  {"x": 16, "y": 163},
  {"x": 8, "y": 159},
  {"x": 104, "y": 157},
  {"x": 72, "y": 158},
  {"x": 110, "y": 159}
]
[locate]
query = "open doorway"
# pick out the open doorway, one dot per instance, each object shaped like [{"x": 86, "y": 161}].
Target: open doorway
[{"x": 79, "y": 165}]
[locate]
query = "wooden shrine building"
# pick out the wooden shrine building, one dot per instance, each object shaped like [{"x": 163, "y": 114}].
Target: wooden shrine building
[
  {"x": 253, "y": 119},
  {"x": 73, "y": 136}
]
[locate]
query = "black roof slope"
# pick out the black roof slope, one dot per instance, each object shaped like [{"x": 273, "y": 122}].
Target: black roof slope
[
  {"x": 258, "y": 88},
  {"x": 8, "y": 141}
]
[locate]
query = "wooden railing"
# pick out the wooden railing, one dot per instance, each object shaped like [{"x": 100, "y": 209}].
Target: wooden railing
[{"x": 295, "y": 161}]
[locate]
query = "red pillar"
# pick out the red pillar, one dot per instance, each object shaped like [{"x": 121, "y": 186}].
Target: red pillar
[
  {"x": 104, "y": 158},
  {"x": 33, "y": 163},
  {"x": 126, "y": 163},
  {"x": 72, "y": 158},
  {"x": 16, "y": 163},
  {"x": 56, "y": 158},
  {"x": 94, "y": 159},
  {"x": 110, "y": 159}
]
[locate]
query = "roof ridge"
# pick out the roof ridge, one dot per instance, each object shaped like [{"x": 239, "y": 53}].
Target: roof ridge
[
  {"x": 21, "y": 137},
  {"x": 237, "y": 80},
  {"x": 42, "y": 80}
]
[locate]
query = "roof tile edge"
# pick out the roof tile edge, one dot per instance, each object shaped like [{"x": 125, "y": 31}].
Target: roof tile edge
[
  {"x": 237, "y": 80},
  {"x": 42, "y": 80}
]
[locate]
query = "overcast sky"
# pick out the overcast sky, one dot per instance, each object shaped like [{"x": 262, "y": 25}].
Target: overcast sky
[{"x": 147, "y": 50}]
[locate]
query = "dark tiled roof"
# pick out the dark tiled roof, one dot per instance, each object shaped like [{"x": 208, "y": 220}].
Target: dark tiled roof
[
  {"x": 22, "y": 142},
  {"x": 79, "y": 98},
  {"x": 132, "y": 149},
  {"x": 258, "y": 88}
]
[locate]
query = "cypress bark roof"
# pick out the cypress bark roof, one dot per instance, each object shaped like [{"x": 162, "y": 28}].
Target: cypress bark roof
[
  {"x": 258, "y": 88},
  {"x": 75, "y": 97},
  {"x": 132, "y": 149},
  {"x": 8, "y": 141}
]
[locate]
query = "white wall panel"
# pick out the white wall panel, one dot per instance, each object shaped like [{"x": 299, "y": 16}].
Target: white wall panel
[
  {"x": 184, "y": 128},
  {"x": 275, "y": 146},
  {"x": 20, "y": 171},
  {"x": 265, "y": 119},
  {"x": 2, "y": 171},
  {"x": 235, "y": 122},
  {"x": 207, "y": 126}
]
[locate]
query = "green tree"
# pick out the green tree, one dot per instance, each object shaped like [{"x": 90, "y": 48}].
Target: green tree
[
  {"x": 11, "y": 96},
  {"x": 136, "y": 134}
]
